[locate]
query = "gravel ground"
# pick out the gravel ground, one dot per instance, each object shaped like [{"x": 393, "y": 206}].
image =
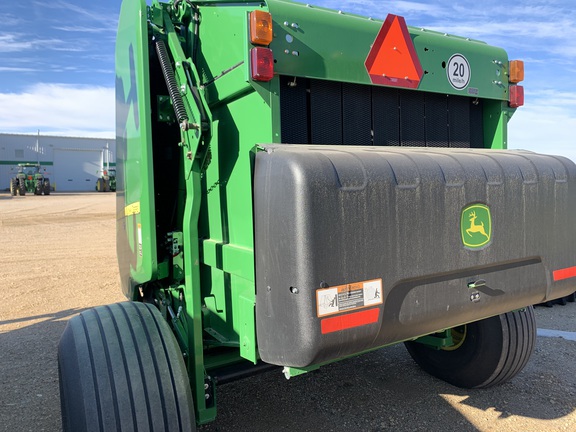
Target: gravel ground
[{"x": 57, "y": 258}]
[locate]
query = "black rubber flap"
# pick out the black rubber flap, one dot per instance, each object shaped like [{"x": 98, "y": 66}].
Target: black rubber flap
[{"x": 358, "y": 247}]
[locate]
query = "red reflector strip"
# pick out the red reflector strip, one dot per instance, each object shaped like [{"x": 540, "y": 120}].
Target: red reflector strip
[
  {"x": 565, "y": 273},
  {"x": 351, "y": 320}
]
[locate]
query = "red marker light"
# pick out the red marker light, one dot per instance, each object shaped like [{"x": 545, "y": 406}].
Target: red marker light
[
  {"x": 516, "y": 96},
  {"x": 262, "y": 62}
]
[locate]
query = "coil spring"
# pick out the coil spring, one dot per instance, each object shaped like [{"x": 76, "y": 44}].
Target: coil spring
[{"x": 170, "y": 79}]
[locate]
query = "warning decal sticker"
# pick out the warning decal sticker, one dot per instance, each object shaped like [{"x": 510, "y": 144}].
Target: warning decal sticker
[
  {"x": 132, "y": 209},
  {"x": 344, "y": 298}
]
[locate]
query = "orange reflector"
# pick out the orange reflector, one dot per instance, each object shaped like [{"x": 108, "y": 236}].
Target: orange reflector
[
  {"x": 392, "y": 60},
  {"x": 516, "y": 96},
  {"x": 260, "y": 27},
  {"x": 516, "y": 71},
  {"x": 565, "y": 273},
  {"x": 262, "y": 62}
]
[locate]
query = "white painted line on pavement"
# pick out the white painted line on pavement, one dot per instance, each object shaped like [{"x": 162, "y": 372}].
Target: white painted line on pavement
[{"x": 556, "y": 334}]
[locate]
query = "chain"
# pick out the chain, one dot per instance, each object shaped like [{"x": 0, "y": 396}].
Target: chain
[{"x": 215, "y": 185}]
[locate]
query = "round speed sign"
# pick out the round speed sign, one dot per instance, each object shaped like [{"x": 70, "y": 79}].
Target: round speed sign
[{"x": 458, "y": 71}]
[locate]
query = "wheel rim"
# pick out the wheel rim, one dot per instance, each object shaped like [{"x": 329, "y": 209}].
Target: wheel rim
[{"x": 458, "y": 337}]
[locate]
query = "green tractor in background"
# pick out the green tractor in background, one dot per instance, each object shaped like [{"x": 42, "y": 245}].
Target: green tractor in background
[
  {"x": 29, "y": 178},
  {"x": 107, "y": 182}
]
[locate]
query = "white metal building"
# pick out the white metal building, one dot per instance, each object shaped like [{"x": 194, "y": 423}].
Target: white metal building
[{"x": 71, "y": 163}]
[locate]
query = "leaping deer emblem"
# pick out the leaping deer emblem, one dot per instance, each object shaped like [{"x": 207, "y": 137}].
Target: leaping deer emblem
[{"x": 476, "y": 228}]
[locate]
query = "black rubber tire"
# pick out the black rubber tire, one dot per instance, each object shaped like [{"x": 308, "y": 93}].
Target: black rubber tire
[
  {"x": 22, "y": 187},
  {"x": 38, "y": 184},
  {"x": 106, "y": 186},
  {"x": 13, "y": 186},
  {"x": 121, "y": 369},
  {"x": 46, "y": 186},
  {"x": 99, "y": 185},
  {"x": 493, "y": 351}
]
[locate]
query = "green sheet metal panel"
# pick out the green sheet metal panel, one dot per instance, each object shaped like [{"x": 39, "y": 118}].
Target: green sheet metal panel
[
  {"x": 136, "y": 237},
  {"x": 314, "y": 42},
  {"x": 242, "y": 116}
]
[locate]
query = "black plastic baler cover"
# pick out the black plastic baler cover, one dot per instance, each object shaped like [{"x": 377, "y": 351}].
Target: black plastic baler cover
[{"x": 358, "y": 247}]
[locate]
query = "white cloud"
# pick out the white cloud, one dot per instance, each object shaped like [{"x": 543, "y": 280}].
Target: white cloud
[
  {"x": 14, "y": 43},
  {"x": 8, "y": 20},
  {"x": 553, "y": 99},
  {"x": 105, "y": 21},
  {"x": 17, "y": 69},
  {"x": 546, "y": 123},
  {"x": 507, "y": 28},
  {"x": 413, "y": 7},
  {"x": 375, "y": 8},
  {"x": 59, "y": 109},
  {"x": 82, "y": 29},
  {"x": 543, "y": 127}
]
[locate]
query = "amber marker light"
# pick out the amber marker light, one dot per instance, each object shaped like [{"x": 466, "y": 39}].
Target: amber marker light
[
  {"x": 260, "y": 28},
  {"x": 516, "y": 71}
]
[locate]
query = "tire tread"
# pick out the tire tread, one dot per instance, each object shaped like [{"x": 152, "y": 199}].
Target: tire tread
[{"x": 130, "y": 373}]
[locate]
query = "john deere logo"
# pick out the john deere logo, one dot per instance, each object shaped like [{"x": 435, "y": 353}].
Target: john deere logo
[{"x": 476, "y": 226}]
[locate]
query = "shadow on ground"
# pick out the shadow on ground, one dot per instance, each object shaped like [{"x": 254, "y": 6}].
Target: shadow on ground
[
  {"x": 380, "y": 391},
  {"x": 29, "y": 396}
]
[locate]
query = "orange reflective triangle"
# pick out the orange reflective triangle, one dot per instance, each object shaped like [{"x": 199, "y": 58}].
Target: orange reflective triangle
[{"x": 392, "y": 60}]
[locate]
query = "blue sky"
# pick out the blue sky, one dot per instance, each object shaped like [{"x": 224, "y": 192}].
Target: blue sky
[{"x": 57, "y": 61}]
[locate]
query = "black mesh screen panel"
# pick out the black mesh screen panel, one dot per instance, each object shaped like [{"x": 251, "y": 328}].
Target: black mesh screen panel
[
  {"x": 412, "y": 126},
  {"x": 436, "y": 120},
  {"x": 327, "y": 112},
  {"x": 459, "y": 121},
  {"x": 293, "y": 106},
  {"x": 476, "y": 124},
  {"x": 357, "y": 114},
  {"x": 385, "y": 116}
]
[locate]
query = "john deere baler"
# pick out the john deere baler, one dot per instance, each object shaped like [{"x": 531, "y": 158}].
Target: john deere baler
[{"x": 296, "y": 185}]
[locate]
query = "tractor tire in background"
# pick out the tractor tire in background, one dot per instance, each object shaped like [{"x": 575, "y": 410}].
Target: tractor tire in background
[
  {"x": 106, "y": 186},
  {"x": 38, "y": 186},
  {"x": 46, "y": 186},
  {"x": 99, "y": 185},
  {"x": 22, "y": 187},
  {"x": 121, "y": 368},
  {"x": 486, "y": 353},
  {"x": 13, "y": 186}
]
